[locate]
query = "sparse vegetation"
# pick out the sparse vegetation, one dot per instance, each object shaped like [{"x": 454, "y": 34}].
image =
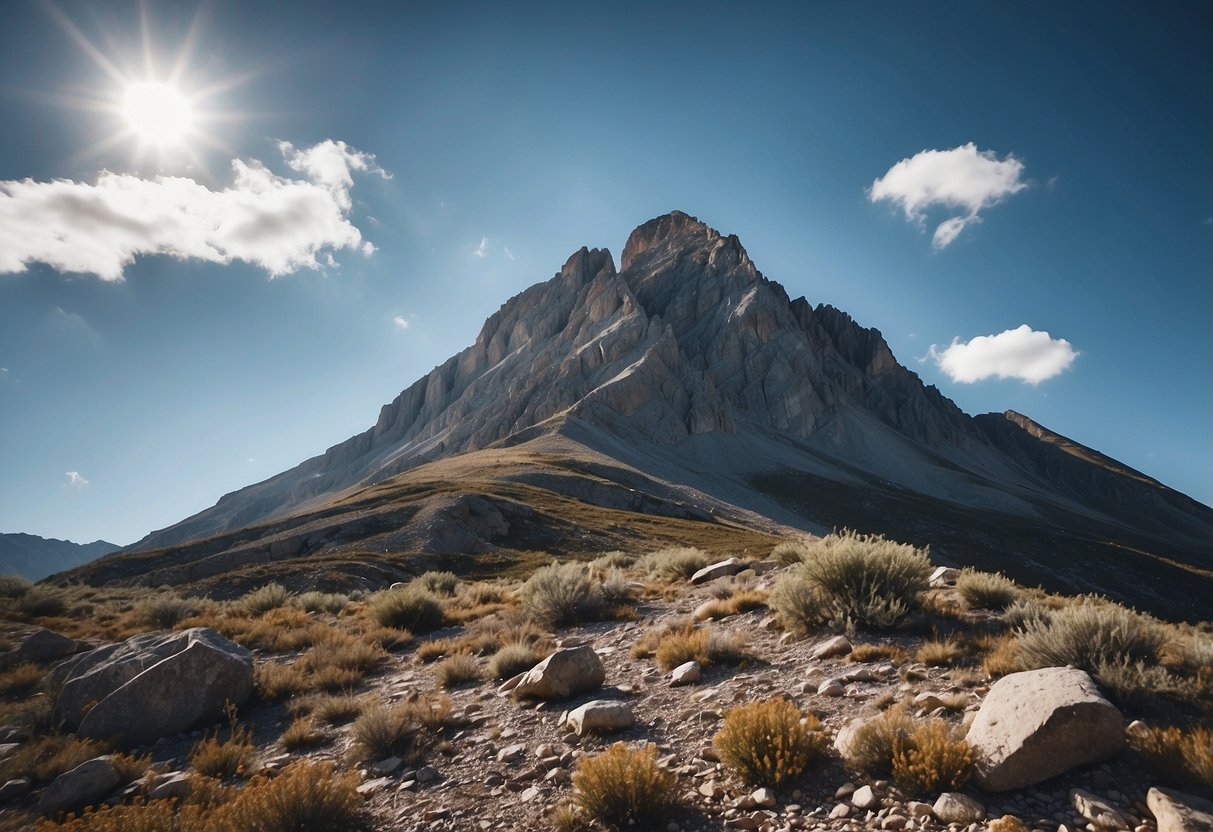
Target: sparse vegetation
[
  {"x": 871, "y": 748},
  {"x": 275, "y": 680},
  {"x": 1023, "y": 612},
  {"x": 616, "y": 589},
  {"x": 45, "y": 758},
  {"x": 624, "y": 788},
  {"x": 456, "y": 670},
  {"x": 742, "y": 601},
  {"x": 1088, "y": 634},
  {"x": 332, "y": 709},
  {"x": 40, "y": 602},
  {"x": 439, "y": 583},
  {"x": 411, "y": 607},
  {"x": 14, "y": 586},
  {"x": 405, "y": 729},
  {"x": 940, "y": 652},
  {"x": 302, "y": 734},
  {"x": 330, "y": 602},
  {"x": 514, "y": 658},
  {"x": 790, "y": 552},
  {"x": 232, "y": 757},
  {"x": 768, "y": 743},
  {"x": 261, "y": 600},
  {"x": 673, "y": 564},
  {"x": 613, "y": 560},
  {"x": 933, "y": 757},
  {"x": 1183, "y": 758},
  {"x": 876, "y": 652},
  {"x": 165, "y": 611},
  {"x": 860, "y": 580},
  {"x": 986, "y": 590},
  {"x": 562, "y": 593},
  {"x": 21, "y": 679},
  {"x": 678, "y": 643}
]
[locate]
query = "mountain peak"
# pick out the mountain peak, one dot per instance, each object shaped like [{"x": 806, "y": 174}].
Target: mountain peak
[{"x": 675, "y": 225}]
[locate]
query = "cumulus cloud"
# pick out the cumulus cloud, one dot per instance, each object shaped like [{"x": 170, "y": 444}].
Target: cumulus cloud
[
  {"x": 1021, "y": 353},
  {"x": 482, "y": 250},
  {"x": 400, "y": 322},
  {"x": 278, "y": 223},
  {"x": 74, "y": 479},
  {"x": 963, "y": 178}
]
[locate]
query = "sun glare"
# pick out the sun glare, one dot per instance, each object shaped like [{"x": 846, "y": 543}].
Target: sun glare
[{"x": 158, "y": 113}]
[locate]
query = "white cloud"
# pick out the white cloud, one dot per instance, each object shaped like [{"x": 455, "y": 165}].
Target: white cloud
[
  {"x": 400, "y": 322},
  {"x": 506, "y": 251},
  {"x": 277, "y": 223},
  {"x": 962, "y": 178},
  {"x": 483, "y": 248},
  {"x": 1020, "y": 353},
  {"x": 74, "y": 479}
]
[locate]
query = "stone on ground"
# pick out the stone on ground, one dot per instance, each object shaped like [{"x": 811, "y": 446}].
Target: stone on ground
[
  {"x": 722, "y": 569},
  {"x": 562, "y": 674},
  {"x": 687, "y": 673},
  {"x": 44, "y": 646},
  {"x": 836, "y": 646},
  {"x": 1178, "y": 812},
  {"x": 82, "y": 786},
  {"x": 600, "y": 716},
  {"x": 954, "y": 807}
]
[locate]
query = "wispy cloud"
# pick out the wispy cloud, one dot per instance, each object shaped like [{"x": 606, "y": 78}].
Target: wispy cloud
[
  {"x": 962, "y": 178},
  {"x": 1021, "y": 353},
  {"x": 274, "y": 222},
  {"x": 506, "y": 251},
  {"x": 482, "y": 250},
  {"x": 401, "y": 322},
  {"x": 74, "y": 480}
]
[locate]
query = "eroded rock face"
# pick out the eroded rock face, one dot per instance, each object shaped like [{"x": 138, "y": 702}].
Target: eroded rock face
[
  {"x": 1040, "y": 723},
  {"x": 151, "y": 685},
  {"x": 566, "y": 672}
]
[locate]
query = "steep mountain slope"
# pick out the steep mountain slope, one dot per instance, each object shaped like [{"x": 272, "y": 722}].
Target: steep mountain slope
[
  {"x": 36, "y": 557},
  {"x": 688, "y": 378}
]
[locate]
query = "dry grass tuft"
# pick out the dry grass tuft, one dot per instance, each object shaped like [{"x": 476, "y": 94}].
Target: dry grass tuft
[
  {"x": 871, "y": 747},
  {"x": 1182, "y": 758},
  {"x": 44, "y": 758},
  {"x": 302, "y": 734},
  {"x": 261, "y": 600},
  {"x": 21, "y": 680},
  {"x": 165, "y": 611},
  {"x": 456, "y": 670},
  {"x": 329, "y": 708},
  {"x": 674, "y": 563},
  {"x": 1090, "y": 633},
  {"x": 737, "y": 603},
  {"x": 790, "y": 552},
  {"x": 275, "y": 680},
  {"x": 986, "y": 590},
  {"x": 40, "y": 602},
  {"x": 768, "y": 743},
  {"x": 676, "y": 644},
  {"x": 404, "y": 729},
  {"x": 940, "y": 652},
  {"x": 330, "y": 602},
  {"x": 514, "y": 658},
  {"x": 933, "y": 757},
  {"x": 232, "y": 757},
  {"x": 412, "y": 607},
  {"x": 562, "y": 593},
  {"x": 624, "y": 788},
  {"x": 877, "y": 652}
]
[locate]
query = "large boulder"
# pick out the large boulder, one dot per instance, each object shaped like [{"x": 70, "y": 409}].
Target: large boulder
[
  {"x": 151, "y": 685},
  {"x": 566, "y": 672},
  {"x": 44, "y": 646},
  {"x": 1039, "y": 724}
]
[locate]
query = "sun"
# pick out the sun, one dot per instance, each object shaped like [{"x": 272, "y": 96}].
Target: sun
[{"x": 158, "y": 114}]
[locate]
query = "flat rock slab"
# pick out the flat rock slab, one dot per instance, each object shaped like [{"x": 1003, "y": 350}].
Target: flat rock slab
[
  {"x": 1041, "y": 723},
  {"x": 722, "y": 569}
]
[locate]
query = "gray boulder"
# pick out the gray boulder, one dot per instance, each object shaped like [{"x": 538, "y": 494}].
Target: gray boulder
[
  {"x": 152, "y": 685},
  {"x": 1039, "y": 724},
  {"x": 44, "y": 646},
  {"x": 562, "y": 674},
  {"x": 954, "y": 807},
  {"x": 600, "y": 716},
  {"x": 722, "y": 569},
  {"x": 82, "y": 786}
]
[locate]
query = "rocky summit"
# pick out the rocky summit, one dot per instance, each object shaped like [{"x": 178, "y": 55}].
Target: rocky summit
[{"x": 681, "y": 383}]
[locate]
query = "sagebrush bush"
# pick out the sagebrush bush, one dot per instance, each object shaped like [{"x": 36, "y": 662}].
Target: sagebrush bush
[
  {"x": 797, "y": 602},
  {"x": 986, "y": 590},
  {"x": 1141, "y": 684},
  {"x": 411, "y": 607},
  {"x": 1183, "y": 758},
  {"x": 1023, "y": 612},
  {"x": 613, "y": 560},
  {"x": 866, "y": 580},
  {"x": 562, "y": 593},
  {"x": 439, "y": 583},
  {"x": 674, "y": 563},
  {"x": 40, "y": 602},
  {"x": 14, "y": 586},
  {"x": 330, "y": 602},
  {"x": 768, "y": 743},
  {"x": 302, "y": 734},
  {"x": 615, "y": 589},
  {"x": 262, "y": 600},
  {"x": 790, "y": 552},
  {"x": 456, "y": 670},
  {"x": 514, "y": 658},
  {"x": 1088, "y": 634},
  {"x": 870, "y": 748},
  {"x": 624, "y": 788},
  {"x": 165, "y": 611},
  {"x": 405, "y": 729},
  {"x": 933, "y": 757}
]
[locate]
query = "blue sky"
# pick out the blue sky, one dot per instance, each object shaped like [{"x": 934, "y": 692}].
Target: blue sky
[{"x": 482, "y": 145}]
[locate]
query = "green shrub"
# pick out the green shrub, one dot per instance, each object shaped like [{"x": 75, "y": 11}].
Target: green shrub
[
  {"x": 439, "y": 583},
  {"x": 986, "y": 590},
  {"x": 674, "y": 563},
  {"x": 262, "y": 600},
  {"x": 624, "y": 788},
  {"x": 411, "y": 607},
  {"x": 514, "y": 658},
  {"x": 562, "y": 594},
  {"x": 932, "y": 758},
  {"x": 790, "y": 552},
  {"x": 866, "y": 580},
  {"x": 1088, "y": 634},
  {"x": 1024, "y": 612},
  {"x": 768, "y": 743}
]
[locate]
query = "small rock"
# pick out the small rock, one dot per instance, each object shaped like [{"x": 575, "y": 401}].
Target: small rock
[
  {"x": 953, "y": 807},
  {"x": 387, "y": 765},
  {"x": 427, "y": 774},
  {"x": 373, "y": 785},
  {"x": 831, "y": 687},
  {"x": 688, "y": 673},
  {"x": 1097, "y": 810},
  {"x": 864, "y": 798},
  {"x": 894, "y": 821},
  {"x": 917, "y": 809},
  {"x": 764, "y": 797},
  {"x": 842, "y": 810},
  {"x": 944, "y": 576},
  {"x": 721, "y": 569},
  {"x": 44, "y": 646},
  {"x": 600, "y": 716},
  {"x": 172, "y": 784},
  {"x": 511, "y": 752},
  {"x": 837, "y": 646},
  {"x": 927, "y": 701},
  {"x": 14, "y": 788}
]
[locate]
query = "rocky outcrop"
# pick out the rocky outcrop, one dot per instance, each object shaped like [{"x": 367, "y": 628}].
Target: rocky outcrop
[
  {"x": 1178, "y": 812},
  {"x": 43, "y": 646},
  {"x": 1040, "y": 723},
  {"x": 82, "y": 786},
  {"x": 151, "y": 685}
]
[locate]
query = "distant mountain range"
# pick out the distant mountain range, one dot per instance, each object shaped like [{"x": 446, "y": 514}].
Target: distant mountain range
[
  {"x": 36, "y": 557},
  {"x": 686, "y": 397}
]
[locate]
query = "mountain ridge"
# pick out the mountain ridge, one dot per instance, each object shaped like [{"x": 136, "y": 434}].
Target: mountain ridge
[{"x": 33, "y": 557}]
